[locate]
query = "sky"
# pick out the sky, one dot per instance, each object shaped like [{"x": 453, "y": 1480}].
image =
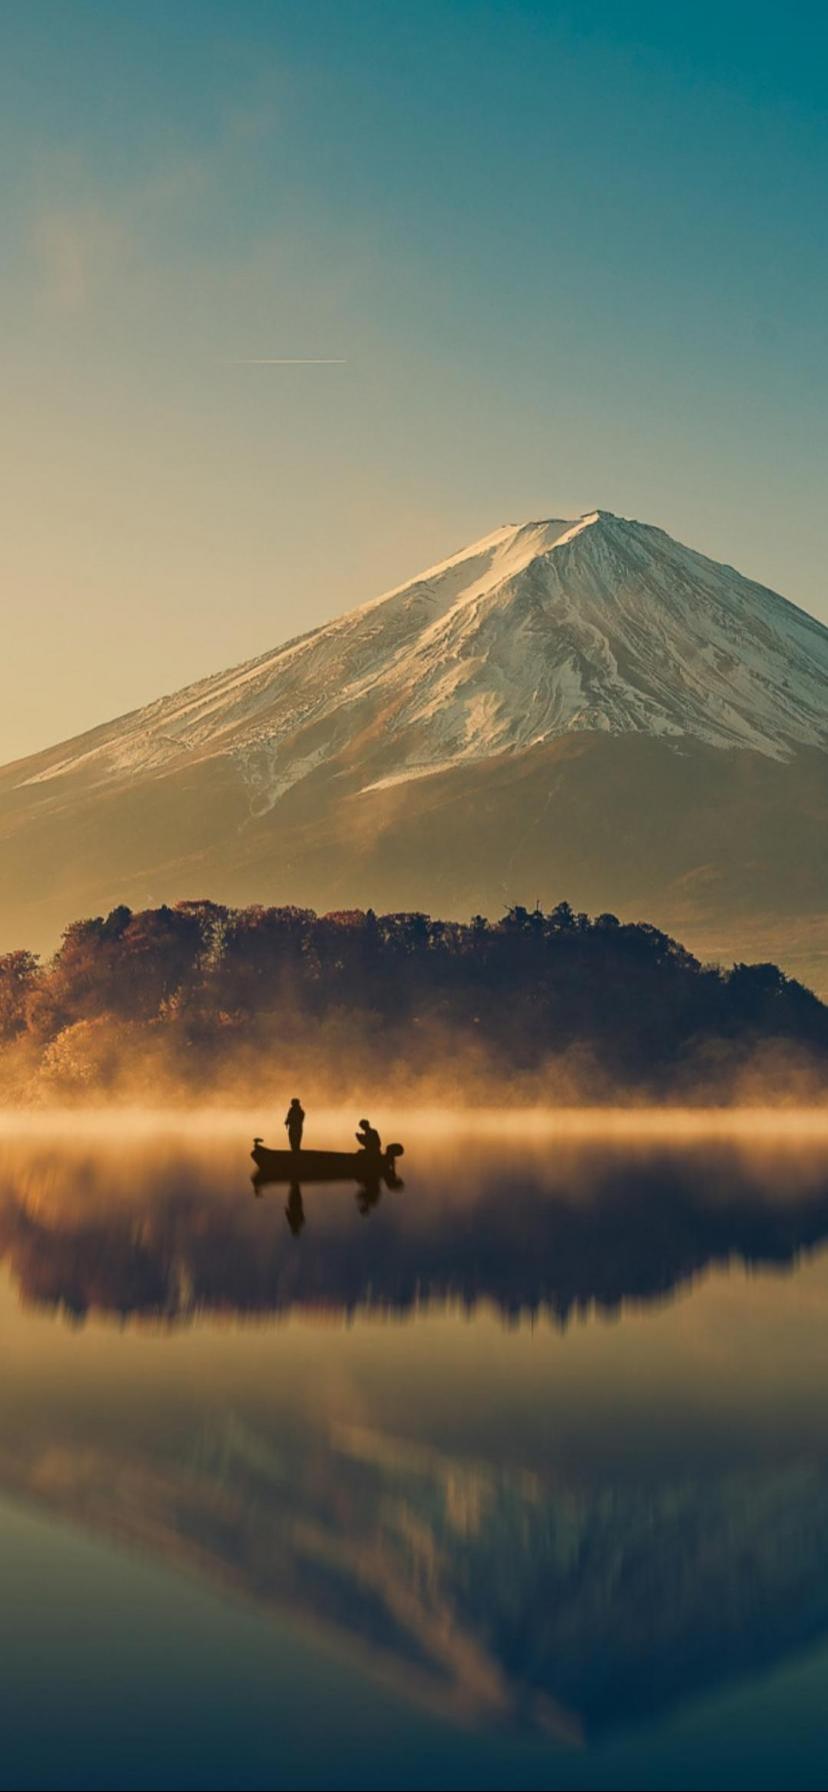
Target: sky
[{"x": 299, "y": 298}]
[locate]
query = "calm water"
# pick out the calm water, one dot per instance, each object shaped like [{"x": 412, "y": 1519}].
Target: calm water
[{"x": 518, "y": 1477}]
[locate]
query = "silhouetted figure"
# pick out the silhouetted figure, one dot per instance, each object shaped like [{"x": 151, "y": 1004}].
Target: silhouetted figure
[
  {"x": 295, "y": 1211},
  {"x": 294, "y": 1121},
  {"x": 369, "y": 1138}
]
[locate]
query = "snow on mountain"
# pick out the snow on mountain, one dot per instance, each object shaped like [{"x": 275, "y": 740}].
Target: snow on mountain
[{"x": 538, "y": 630}]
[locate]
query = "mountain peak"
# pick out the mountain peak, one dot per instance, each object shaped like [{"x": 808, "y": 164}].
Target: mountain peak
[
  {"x": 565, "y": 705},
  {"x": 543, "y": 628}
]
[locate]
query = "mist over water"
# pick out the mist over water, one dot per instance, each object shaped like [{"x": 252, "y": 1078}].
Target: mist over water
[{"x": 517, "y": 1473}]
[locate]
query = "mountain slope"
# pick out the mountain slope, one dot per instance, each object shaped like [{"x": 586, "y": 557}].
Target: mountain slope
[{"x": 584, "y": 708}]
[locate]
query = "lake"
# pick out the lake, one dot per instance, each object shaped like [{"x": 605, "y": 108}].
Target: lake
[{"x": 517, "y": 1474}]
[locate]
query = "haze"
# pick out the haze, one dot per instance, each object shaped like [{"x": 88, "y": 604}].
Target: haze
[{"x": 527, "y": 261}]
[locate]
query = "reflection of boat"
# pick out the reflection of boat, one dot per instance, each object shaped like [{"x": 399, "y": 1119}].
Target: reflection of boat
[{"x": 327, "y": 1166}]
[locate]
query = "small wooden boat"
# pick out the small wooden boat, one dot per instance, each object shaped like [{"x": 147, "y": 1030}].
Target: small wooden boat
[{"x": 326, "y": 1166}]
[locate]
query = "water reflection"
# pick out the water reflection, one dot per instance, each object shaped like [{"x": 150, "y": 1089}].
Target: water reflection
[
  {"x": 539, "y": 1585},
  {"x": 591, "y": 1229},
  {"x": 295, "y": 1209}
]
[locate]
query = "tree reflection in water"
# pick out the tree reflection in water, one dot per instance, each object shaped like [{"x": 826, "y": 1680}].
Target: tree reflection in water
[
  {"x": 621, "y": 1230},
  {"x": 572, "y": 1601}
]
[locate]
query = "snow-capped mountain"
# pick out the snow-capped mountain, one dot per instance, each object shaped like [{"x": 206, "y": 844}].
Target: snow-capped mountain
[
  {"x": 536, "y": 631},
  {"x": 543, "y": 650}
]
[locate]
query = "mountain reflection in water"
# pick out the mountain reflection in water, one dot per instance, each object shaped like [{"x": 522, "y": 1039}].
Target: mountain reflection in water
[{"x": 530, "y": 1586}]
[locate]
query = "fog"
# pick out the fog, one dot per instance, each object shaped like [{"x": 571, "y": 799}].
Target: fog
[{"x": 749, "y": 1125}]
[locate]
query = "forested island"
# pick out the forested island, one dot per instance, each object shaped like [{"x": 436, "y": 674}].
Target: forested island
[{"x": 201, "y": 1001}]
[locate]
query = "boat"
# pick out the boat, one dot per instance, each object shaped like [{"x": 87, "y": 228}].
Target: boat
[{"x": 365, "y": 1167}]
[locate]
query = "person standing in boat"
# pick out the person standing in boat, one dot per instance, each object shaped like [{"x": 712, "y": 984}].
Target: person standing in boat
[
  {"x": 294, "y": 1121},
  {"x": 369, "y": 1138}
]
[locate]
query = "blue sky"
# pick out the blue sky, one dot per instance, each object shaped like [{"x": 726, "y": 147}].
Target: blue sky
[{"x": 569, "y": 256}]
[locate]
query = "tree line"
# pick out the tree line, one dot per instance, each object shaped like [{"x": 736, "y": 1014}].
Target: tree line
[{"x": 201, "y": 982}]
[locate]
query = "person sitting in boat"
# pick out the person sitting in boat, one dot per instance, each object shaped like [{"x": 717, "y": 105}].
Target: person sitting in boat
[
  {"x": 369, "y": 1138},
  {"x": 294, "y": 1121}
]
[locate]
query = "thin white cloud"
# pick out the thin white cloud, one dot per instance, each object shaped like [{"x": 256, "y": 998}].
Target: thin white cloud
[{"x": 287, "y": 361}]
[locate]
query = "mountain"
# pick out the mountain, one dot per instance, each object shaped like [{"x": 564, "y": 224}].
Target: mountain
[{"x": 585, "y": 709}]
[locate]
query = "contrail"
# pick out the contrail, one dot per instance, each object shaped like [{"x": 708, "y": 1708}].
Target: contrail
[{"x": 287, "y": 361}]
